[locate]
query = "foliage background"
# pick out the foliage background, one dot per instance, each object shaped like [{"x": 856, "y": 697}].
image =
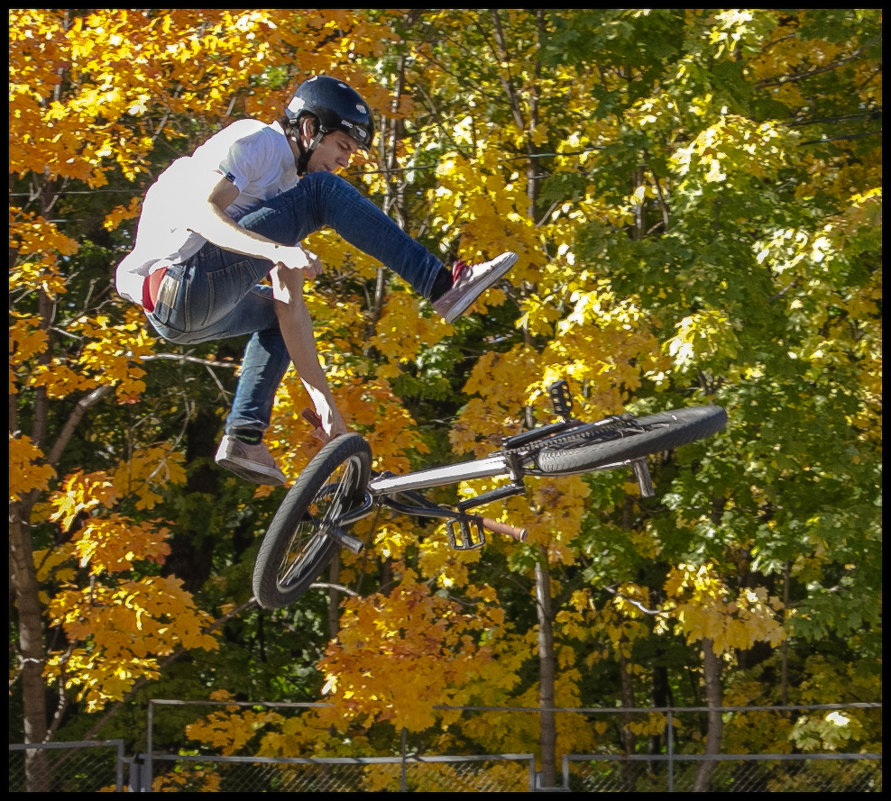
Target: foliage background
[{"x": 695, "y": 196}]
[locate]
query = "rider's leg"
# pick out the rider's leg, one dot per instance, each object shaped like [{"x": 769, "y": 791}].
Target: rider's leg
[
  {"x": 187, "y": 302},
  {"x": 265, "y": 361},
  {"x": 323, "y": 199},
  {"x": 210, "y": 287}
]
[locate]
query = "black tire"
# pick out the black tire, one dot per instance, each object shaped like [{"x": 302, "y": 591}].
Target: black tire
[
  {"x": 296, "y": 548},
  {"x": 639, "y": 437}
]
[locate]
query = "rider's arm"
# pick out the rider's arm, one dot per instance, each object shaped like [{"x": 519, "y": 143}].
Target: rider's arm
[
  {"x": 212, "y": 222},
  {"x": 292, "y": 264},
  {"x": 297, "y": 331}
]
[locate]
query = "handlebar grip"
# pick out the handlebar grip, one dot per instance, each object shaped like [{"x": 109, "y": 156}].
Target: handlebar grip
[
  {"x": 503, "y": 528},
  {"x": 312, "y": 418}
]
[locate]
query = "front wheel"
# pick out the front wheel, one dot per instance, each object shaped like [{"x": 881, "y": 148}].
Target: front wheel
[
  {"x": 631, "y": 439},
  {"x": 299, "y": 542}
]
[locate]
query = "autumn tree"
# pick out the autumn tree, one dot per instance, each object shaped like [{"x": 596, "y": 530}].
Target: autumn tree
[{"x": 99, "y": 102}]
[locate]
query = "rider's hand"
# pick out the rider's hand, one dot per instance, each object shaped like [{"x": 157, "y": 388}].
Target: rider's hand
[
  {"x": 332, "y": 424},
  {"x": 331, "y": 428},
  {"x": 297, "y": 258}
]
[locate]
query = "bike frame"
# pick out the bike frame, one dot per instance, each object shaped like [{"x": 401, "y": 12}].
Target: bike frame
[
  {"x": 441, "y": 476},
  {"x": 466, "y": 531}
]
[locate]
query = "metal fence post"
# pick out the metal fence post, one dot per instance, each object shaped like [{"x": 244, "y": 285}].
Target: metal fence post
[
  {"x": 669, "y": 743},
  {"x": 403, "y": 781},
  {"x": 145, "y": 784}
]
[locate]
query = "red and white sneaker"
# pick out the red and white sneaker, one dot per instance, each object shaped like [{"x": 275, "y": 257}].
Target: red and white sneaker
[{"x": 468, "y": 283}]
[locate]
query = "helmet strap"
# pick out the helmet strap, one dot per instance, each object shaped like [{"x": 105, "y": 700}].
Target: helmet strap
[
  {"x": 303, "y": 161},
  {"x": 305, "y": 152}
]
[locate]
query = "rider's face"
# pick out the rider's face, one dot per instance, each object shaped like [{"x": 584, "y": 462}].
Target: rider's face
[{"x": 332, "y": 153}]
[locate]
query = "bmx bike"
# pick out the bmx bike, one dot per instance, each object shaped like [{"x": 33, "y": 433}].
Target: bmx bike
[{"x": 337, "y": 488}]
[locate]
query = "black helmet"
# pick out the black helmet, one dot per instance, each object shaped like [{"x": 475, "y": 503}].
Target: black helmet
[{"x": 336, "y": 106}]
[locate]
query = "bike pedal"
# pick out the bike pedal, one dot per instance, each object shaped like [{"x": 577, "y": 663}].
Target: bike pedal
[{"x": 466, "y": 534}]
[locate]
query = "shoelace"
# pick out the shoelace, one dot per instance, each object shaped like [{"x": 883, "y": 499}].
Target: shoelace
[{"x": 457, "y": 268}]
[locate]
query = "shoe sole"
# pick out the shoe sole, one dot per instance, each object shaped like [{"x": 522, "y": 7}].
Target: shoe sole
[
  {"x": 251, "y": 474},
  {"x": 461, "y": 306}
]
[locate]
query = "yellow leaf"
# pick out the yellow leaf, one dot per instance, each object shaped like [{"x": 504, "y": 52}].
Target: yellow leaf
[
  {"x": 114, "y": 543},
  {"x": 81, "y": 493},
  {"x": 25, "y": 471}
]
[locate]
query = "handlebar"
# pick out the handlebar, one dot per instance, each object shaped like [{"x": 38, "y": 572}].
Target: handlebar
[{"x": 312, "y": 418}]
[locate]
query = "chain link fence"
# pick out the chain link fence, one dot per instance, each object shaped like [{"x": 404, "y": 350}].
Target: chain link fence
[
  {"x": 669, "y": 770},
  {"x": 103, "y": 767},
  {"x": 472, "y": 774},
  {"x": 77, "y": 767},
  {"x": 751, "y": 773}
]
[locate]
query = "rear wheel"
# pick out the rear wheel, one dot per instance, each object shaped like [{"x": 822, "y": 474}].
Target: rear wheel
[
  {"x": 592, "y": 447},
  {"x": 300, "y": 540}
]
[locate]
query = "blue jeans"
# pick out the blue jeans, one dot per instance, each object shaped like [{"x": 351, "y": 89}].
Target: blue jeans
[{"x": 215, "y": 294}]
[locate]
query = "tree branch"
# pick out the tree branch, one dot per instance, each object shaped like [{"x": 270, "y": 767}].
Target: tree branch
[
  {"x": 74, "y": 418},
  {"x": 637, "y": 604},
  {"x": 181, "y": 357}
]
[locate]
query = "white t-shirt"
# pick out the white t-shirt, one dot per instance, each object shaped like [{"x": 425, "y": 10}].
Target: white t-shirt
[{"x": 254, "y": 155}]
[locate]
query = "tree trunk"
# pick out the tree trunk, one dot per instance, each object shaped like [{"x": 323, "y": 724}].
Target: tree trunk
[
  {"x": 713, "y": 696},
  {"x": 24, "y": 587},
  {"x": 547, "y": 663},
  {"x": 30, "y": 644},
  {"x": 192, "y": 545},
  {"x": 629, "y": 769}
]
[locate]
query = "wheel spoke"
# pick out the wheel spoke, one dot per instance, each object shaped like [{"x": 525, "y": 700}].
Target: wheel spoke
[
  {"x": 320, "y": 521},
  {"x": 307, "y": 529}
]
